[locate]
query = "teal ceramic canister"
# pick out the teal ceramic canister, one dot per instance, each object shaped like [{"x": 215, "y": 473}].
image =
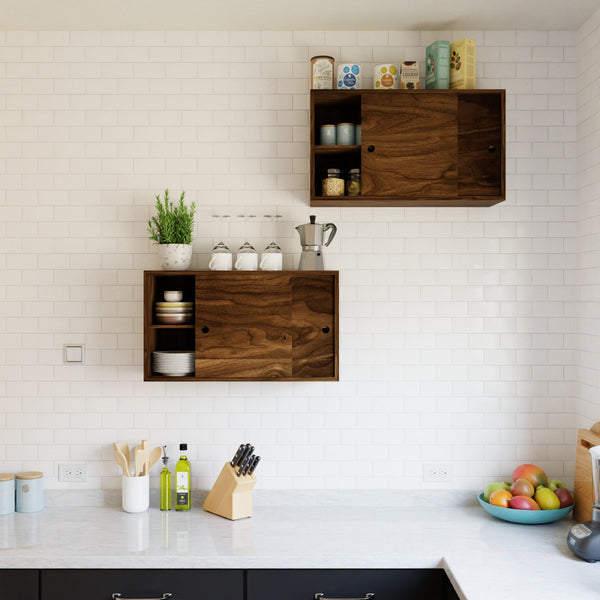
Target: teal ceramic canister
[
  {"x": 7, "y": 493},
  {"x": 328, "y": 135},
  {"x": 30, "y": 491},
  {"x": 345, "y": 134}
]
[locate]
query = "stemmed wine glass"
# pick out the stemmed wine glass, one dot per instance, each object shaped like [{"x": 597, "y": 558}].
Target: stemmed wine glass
[{"x": 221, "y": 258}]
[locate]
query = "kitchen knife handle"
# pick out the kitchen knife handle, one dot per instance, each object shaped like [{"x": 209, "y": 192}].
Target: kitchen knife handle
[
  {"x": 165, "y": 596},
  {"x": 243, "y": 466},
  {"x": 238, "y": 455},
  {"x": 253, "y": 465},
  {"x": 322, "y": 596},
  {"x": 248, "y": 464}
]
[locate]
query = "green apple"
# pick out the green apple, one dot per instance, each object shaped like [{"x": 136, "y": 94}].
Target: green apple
[
  {"x": 555, "y": 484},
  {"x": 496, "y": 485}
]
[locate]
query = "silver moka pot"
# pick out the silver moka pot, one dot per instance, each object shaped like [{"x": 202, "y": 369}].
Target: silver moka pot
[{"x": 311, "y": 237}]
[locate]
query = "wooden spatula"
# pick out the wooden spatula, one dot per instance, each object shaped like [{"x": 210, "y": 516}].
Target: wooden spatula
[{"x": 122, "y": 462}]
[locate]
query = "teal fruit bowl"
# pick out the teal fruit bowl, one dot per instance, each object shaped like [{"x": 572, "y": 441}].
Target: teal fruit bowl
[{"x": 527, "y": 517}]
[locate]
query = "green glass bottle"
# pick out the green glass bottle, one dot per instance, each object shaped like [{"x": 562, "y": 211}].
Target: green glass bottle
[
  {"x": 165, "y": 483},
  {"x": 183, "y": 481}
]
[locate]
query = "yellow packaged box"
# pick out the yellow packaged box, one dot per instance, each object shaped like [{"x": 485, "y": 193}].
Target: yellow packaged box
[{"x": 462, "y": 64}]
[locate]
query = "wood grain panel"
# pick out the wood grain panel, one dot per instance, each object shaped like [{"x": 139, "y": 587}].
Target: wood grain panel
[
  {"x": 481, "y": 144},
  {"x": 242, "y": 323},
  {"x": 409, "y": 144},
  {"x": 314, "y": 326},
  {"x": 583, "y": 489}
]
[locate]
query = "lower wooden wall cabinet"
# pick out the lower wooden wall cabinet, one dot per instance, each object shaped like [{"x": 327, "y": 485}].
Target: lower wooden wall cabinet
[{"x": 247, "y": 325}]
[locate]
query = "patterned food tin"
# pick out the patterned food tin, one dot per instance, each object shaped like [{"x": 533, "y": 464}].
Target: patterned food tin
[
  {"x": 321, "y": 72},
  {"x": 348, "y": 76},
  {"x": 30, "y": 491},
  {"x": 386, "y": 77}
]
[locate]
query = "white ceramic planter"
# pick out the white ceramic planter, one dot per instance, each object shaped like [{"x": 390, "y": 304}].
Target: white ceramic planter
[{"x": 175, "y": 257}]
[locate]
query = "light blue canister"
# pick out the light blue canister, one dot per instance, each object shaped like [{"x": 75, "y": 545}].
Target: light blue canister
[
  {"x": 357, "y": 135},
  {"x": 345, "y": 134},
  {"x": 328, "y": 136},
  {"x": 30, "y": 491},
  {"x": 7, "y": 493}
]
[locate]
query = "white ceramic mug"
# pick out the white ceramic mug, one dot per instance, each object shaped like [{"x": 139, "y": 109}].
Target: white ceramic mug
[
  {"x": 271, "y": 261},
  {"x": 220, "y": 261},
  {"x": 247, "y": 261},
  {"x": 135, "y": 493}
]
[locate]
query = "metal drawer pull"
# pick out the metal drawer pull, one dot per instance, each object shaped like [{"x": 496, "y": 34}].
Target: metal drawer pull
[
  {"x": 321, "y": 596},
  {"x": 165, "y": 596}
]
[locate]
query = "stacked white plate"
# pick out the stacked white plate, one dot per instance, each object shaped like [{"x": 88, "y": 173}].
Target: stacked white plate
[
  {"x": 174, "y": 313},
  {"x": 174, "y": 363}
]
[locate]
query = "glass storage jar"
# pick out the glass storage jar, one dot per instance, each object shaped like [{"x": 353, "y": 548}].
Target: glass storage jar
[
  {"x": 334, "y": 184},
  {"x": 353, "y": 186}
]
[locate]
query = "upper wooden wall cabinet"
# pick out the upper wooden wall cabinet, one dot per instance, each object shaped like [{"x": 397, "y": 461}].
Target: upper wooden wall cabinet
[
  {"x": 419, "y": 148},
  {"x": 248, "y": 325}
]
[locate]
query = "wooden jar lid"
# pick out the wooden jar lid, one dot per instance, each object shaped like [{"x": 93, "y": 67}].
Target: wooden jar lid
[
  {"x": 30, "y": 475},
  {"x": 6, "y": 476}
]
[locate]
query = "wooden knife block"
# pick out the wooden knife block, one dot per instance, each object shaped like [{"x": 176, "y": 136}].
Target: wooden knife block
[
  {"x": 583, "y": 490},
  {"x": 231, "y": 496}
]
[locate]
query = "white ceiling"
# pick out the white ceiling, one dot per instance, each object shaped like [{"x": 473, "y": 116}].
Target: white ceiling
[{"x": 296, "y": 14}]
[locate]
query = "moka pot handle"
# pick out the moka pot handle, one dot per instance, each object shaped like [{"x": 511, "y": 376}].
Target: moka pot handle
[{"x": 333, "y": 229}]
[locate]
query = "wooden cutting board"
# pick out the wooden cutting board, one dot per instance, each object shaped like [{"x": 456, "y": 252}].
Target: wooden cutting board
[{"x": 583, "y": 492}]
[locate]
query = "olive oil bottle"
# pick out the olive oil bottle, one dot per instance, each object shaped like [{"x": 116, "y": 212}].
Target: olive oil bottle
[
  {"x": 183, "y": 481},
  {"x": 165, "y": 483}
]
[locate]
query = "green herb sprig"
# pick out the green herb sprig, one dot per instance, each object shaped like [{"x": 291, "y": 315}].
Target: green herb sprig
[{"x": 173, "y": 224}]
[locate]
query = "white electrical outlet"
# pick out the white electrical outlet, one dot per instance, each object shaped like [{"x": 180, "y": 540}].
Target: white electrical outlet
[
  {"x": 437, "y": 472},
  {"x": 72, "y": 472}
]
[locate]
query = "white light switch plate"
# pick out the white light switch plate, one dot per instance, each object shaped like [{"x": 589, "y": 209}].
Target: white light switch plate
[{"x": 73, "y": 353}]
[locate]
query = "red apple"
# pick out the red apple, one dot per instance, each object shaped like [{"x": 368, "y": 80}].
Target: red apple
[
  {"x": 532, "y": 473},
  {"x": 524, "y": 503},
  {"x": 564, "y": 495},
  {"x": 522, "y": 487}
]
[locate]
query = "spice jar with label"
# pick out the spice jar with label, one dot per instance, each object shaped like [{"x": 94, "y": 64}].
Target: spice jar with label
[
  {"x": 334, "y": 184},
  {"x": 353, "y": 186}
]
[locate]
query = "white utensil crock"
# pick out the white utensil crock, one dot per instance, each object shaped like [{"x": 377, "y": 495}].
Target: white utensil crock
[{"x": 135, "y": 493}]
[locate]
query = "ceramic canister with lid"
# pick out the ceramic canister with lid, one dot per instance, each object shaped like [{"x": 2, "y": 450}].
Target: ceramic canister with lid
[
  {"x": 7, "y": 493},
  {"x": 30, "y": 491}
]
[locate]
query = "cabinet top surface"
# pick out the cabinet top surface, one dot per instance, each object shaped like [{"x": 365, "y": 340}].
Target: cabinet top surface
[{"x": 398, "y": 530}]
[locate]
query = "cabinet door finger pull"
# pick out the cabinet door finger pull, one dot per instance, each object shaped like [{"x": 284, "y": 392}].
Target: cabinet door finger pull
[
  {"x": 321, "y": 596},
  {"x": 165, "y": 596},
  {"x": 491, "y": 148},
  {"x": 325, "y": 329},
  {"x": 370, "y": 148},
  {"x": 205, "y": 329}
]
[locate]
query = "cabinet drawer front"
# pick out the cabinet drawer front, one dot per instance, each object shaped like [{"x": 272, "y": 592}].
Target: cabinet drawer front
[
  {"x": 100, "y": 584},
  {"x": 19, "y": 584},
  {"x": 386, "y": 584},
  {"x": 409, "y": 144}
]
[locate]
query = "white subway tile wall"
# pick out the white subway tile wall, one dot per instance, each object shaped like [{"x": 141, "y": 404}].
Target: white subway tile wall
[
  {"x": 460, "y": 337},
  {"x": 584, "y": 280}
]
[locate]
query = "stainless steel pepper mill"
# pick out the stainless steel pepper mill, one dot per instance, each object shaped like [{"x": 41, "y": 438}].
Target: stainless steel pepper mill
[{"x": 311, "y": 238}]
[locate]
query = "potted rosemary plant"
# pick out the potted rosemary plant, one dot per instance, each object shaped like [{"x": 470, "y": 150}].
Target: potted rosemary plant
[{"x": 172, "y": 228}]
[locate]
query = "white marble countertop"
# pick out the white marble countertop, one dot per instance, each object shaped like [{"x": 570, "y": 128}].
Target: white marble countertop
[{"x": 485, "y": 558}]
